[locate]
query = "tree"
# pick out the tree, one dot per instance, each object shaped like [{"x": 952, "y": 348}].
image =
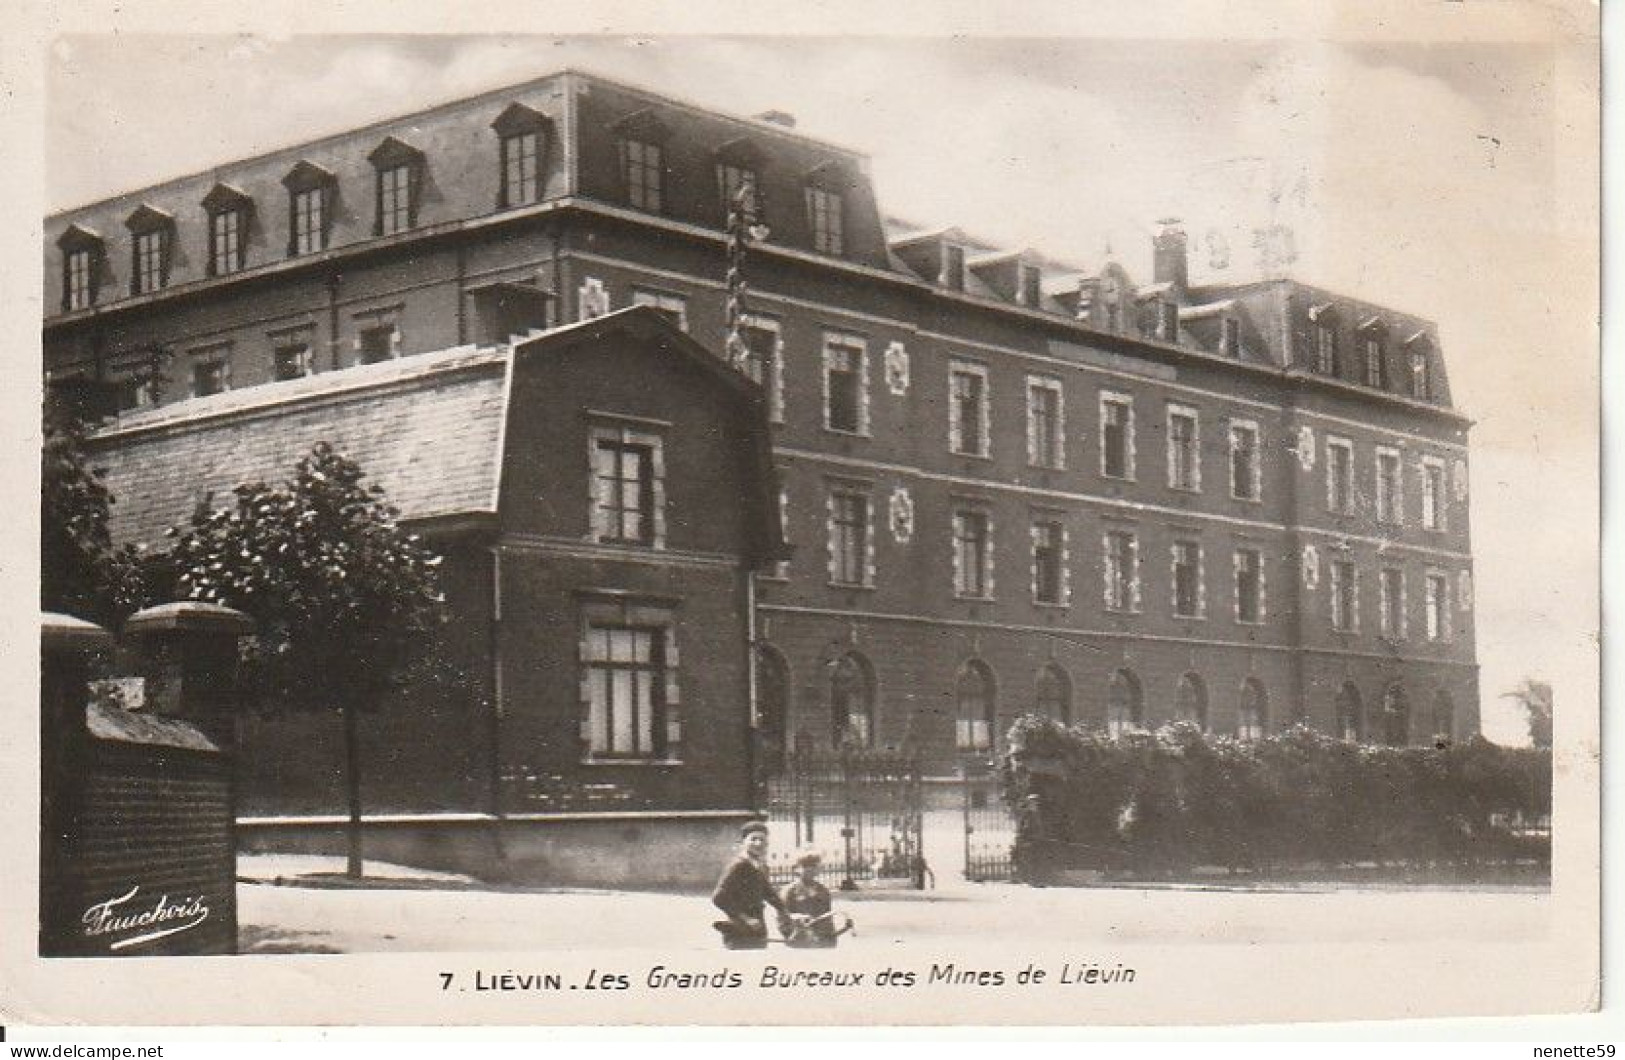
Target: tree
[
  {"x": 345, "y": 601},
  {"x": 81, "y": 573},
  {"x": 1535, "y": 697}
]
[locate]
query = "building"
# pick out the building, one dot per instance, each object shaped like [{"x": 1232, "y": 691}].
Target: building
[
  {"x": 592, "y": 683},
  {"x": 1010, "y": 484}
]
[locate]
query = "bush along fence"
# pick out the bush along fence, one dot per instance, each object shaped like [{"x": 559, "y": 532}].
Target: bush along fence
[{"x": 1177, "y": 803}]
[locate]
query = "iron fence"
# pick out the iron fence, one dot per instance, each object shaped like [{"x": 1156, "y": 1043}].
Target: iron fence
[{"x": 859, "y": 810}]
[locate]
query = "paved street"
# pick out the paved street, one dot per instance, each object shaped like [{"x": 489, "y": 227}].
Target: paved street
[{"x": 422, "y": 912}]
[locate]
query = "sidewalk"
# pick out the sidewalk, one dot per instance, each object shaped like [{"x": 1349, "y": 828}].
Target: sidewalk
[{"x": 399, "y": 909}]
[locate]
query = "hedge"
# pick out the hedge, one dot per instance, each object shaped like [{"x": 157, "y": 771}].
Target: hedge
[{"x": 1167, "y": 802}]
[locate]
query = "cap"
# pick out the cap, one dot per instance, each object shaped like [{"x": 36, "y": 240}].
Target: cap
[
  {"x": 750, "y": 827},
  {"x": 809, "y": 857}
]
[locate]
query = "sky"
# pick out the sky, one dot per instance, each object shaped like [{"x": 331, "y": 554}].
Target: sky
[{"x": 1450, "y": 177}]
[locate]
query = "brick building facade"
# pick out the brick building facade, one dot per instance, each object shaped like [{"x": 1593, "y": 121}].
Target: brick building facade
[{"x": 1010, "y": 484}]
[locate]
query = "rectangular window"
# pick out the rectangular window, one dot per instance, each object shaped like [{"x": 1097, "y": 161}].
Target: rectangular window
[
  {"x": 1187, "y": 579},
  {"x": 1376, "y": 363},
  {"x": 1046, "y": 444},
  {"x": 1249, "y": 570},
  {"x": 1122, "y": 571},
  {"x": 761, "y": 336},
  {"x": 1391, "y": 601},
  {"x": 849, "y": 538},
  {"x": 1389, "y": 499},
  {"x": 225, "y": 242},
  {"x": 151, "y": 252},
  {"x": 1245, "y": 471},
  {"x": 824, "y": 208},
  {"x": 1031, "y": 290},
  {"x": 1116, "y": 436},
  {"x": 625, "y": 676},
  {"x": 78, "y": 292},
  {"x": 377, "y": 342},
  {"x": 292, "y": 359},
  {"x": 1345, "y": 599},
  {"x": 674, "y": 307},
  {"x": 972, "y": 554},
  {"x": 1433, "y": 494},
  {"x": 1230, "y": 337},
  {"x": 953, "y": 267},
  {"x": 1049, "y": 562},
  {"x": 845, "y": 382},
  {"x": 1184, "y": 450},
  {"x": 1168, "y": 321},
  {"x": 211, "y": 376},
  {"x": 734, "y": 178},
  {"x": 394, "y": 199},
  {"x": 1326, "y": 361},
  {"x": 521, "y": 185},
  {"x": 967, "y": 409},
  {"x": 133, "y": 391},
  {"x": 643, "y": 167},
  {"x": 624, "y": 500},
  {"x": 1421, "y": 381},
  {"x": 310, "y": 221},
  {"x": 1339, "y": 475},
  {"x": 1437, "y": 604}
]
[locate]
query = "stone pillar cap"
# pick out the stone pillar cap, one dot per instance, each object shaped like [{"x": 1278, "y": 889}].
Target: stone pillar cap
[
  {"x": 189, "y": 616},
  {"x": 66, "y": 633}
]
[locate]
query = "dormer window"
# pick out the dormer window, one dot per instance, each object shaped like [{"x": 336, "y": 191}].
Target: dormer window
[
  {"x": 1327, "y": 361},
  {"x": 1373, "y": 348},
  {"x": 641, "y": 139},
  {"x": 151, "y": 237},
  {"x": 310, "y": 197},
  {"x": 227, "y": 208},
  {"x": 399, "y": 168},
  {"x": 1421, "y": 376},
  {"x": 1029, "y": 291},
  {"x": 739, "y": 178},
  {"x": 523, "y": 141},
  {"x": 82, "y": 252},
  {"x": 953, "y": 267},
  {"x": 825, "y": 211},
  {"x": 1168, "y": 321}
]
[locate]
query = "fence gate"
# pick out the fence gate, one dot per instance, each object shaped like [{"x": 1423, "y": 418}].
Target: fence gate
[
  {"x": 859, "y": 809},
  {"x": 990, "y": 829}
]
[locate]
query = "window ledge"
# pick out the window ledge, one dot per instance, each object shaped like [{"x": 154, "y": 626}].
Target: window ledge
[
  {"x": 641, "y": 763},
  {"x": 1190, "y": 618},
  {"x": 1053, "y": 605},
  {"x": 849, "y": 585},
  {"x": 1046, "y": 467},
  {"x": 845, "y": 433},
  {"x": 1192, "y": 490},
  {"x": 970, "y": 456},
  {"x": 1247, "y": 500},
  {"x": 1254, "y": 624},
  {"x": 964, "y": 598},
  {"x": 1109, "y": 477}
]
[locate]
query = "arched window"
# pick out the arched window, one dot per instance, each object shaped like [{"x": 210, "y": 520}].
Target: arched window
[
  {"x": 1123, "y": 703},
  {"x": 1444, "y": 719},
  {"x": 974, "y": 693},
  {"x": 1253, "y": 714},
  {"x": 1396, "y": 716},
  {"x": 1190, "y": 701},
  {"x": 772, "y": 710},
  {"x": 852, "y": 701},
  {"x": 1053, "y": 694},
  {"x": 1350, "y": 713}
]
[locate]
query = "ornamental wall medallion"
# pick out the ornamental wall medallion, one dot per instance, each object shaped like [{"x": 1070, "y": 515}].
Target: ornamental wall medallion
[
  {"x": 901, "y": 515},
  {"x": 897, "y": 369},
  {"x": 1306, "y": 448},
  {"x": 592, "y": 299}
]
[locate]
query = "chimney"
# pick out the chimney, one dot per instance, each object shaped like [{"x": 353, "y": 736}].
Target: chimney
[
  {"x": 778, "y": 117},
  {"x": 1168, "y": 255}
]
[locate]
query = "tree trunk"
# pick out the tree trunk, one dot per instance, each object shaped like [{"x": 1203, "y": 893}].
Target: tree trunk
[{"x": 352, "y": 785}]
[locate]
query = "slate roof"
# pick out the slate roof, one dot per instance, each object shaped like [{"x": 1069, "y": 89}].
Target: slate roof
[{"x": 426, "y": 428}]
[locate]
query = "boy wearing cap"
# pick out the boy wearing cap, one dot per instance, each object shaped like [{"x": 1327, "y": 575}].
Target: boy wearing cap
[
  {"x": 744, "y": 890},
  {"x": 805, "y": 919}
]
